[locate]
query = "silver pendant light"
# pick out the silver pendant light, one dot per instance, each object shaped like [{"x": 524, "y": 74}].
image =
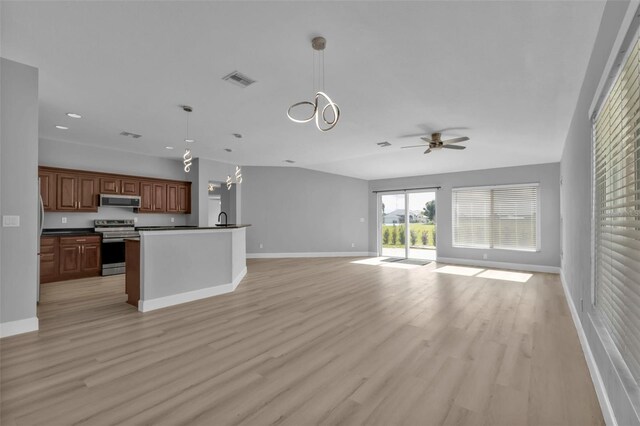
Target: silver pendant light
[{"x": 322, "y": 103}]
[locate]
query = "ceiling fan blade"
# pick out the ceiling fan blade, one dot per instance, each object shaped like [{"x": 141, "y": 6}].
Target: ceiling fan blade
[
  {"x": 416, "y": 135},
  {"x": 456, "y": 140},
  {"x": 426, "y": 139},
  {"x": 427, "y": 151},
  {"x": 454, "y": 146},
  {"x": 413, "y": 146}
]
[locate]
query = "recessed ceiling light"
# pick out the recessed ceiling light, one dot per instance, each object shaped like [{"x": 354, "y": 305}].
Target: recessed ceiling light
[
  {"x": 190, "y": 140},
  {"x": 62, "y": 128},
  {"x": 289, "y": 161},
  {"x": 74, "y": 115},
  {"x": 168, "y": 147},
  {"x": 237, "y": 135}
]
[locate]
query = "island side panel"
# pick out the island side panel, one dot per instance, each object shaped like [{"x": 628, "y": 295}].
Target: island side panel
[
  {"x": 239, "y": 259},
  {"x": 132, "y": 274},
  {"x": 175, "y": 263}
]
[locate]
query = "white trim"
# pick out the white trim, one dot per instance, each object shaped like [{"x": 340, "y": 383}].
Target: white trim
[
  {"x": 317, "y": 254},
  {"x": 621, "y": 42},
  {"x": 596, "y": 378},
  {"x": 500, "y": 265},
  {"x": 11, "y": 328},
  {"x": 189, "y": 231},
  {"x": 190, "y": 296}
]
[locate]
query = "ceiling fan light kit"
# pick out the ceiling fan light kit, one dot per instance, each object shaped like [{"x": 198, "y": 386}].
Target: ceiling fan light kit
[{"x": 321, "y": 98}]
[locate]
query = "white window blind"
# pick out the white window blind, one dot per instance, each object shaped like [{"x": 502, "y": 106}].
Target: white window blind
[
  {"x": 617, "y": 211},
  {"x": 497, "y": 217}
]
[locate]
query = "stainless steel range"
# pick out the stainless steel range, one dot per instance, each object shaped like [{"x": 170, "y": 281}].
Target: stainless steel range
[{"x": 114, "y": 232}]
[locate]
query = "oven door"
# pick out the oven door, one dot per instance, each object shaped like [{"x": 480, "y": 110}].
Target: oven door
[{"x": 113, "y": 256}]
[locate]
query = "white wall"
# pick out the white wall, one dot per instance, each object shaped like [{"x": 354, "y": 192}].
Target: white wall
[
  {"x": 576, "y": 211},
  {"x": 547, "y": 175},
  {"x": 84, "y": 157},
  {"x": 19, "y": 196},
  {"x": 294, "y": 210}
]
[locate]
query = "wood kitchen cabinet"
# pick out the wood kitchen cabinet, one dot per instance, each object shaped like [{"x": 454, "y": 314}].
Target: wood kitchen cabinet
[
  {"x": 79, "y": 257},
  {"x": 69, "y": 190},
  {"x": 48, "y": 259},
  {"x": 48, "y": 189},
  {"x": 153, "y": 197},
  {"x": 76, "y": 192},
  {"x": 112, "y": 185}
]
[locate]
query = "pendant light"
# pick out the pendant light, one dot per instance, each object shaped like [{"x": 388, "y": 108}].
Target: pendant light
[
  {"x": 187, "y": 157},
  {"x": 322, "y": 103}
]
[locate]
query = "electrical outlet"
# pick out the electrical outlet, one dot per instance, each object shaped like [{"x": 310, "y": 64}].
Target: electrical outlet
[
  {"x": 135, "y": 219},
  {"x": 261, "y": 245},
  {"x": 173, "y": 219},
  {"x": 64, "y": 219},
  {"x": 485, "y": 256},
  {"x": 353, "y": 245}
]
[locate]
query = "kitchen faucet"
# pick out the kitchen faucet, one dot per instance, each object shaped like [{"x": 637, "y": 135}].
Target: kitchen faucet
[{"x": 225, "y": 218}]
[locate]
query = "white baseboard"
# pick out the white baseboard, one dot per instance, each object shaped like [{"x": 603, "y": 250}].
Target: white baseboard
[
  {"x": 318, "y": 254},
  {"x": 596, "y": 378},
  {"x": 11, "y": 328},
  {"x": 190, "y": 296},
  {"x": 500, "y": 265}
]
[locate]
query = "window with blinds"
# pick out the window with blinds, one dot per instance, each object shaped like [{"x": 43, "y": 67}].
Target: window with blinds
[
  {"x": 502, "y": 217},
  {"x": 617, "y": 211}
]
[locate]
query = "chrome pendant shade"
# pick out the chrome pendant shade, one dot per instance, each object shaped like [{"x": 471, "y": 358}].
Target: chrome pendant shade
[{"x": 322, "y": 103}]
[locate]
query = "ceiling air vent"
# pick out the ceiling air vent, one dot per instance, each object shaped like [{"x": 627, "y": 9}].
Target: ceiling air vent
[
  {"x": 383, "y": 144},
  {"x": 133, "y": 135},
  {"x": 238, "y": 79}
]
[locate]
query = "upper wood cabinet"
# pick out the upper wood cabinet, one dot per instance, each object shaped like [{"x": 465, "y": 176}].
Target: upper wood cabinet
[
  {"x": 78, "y": 191},
  {"x": 112, "y": 185},
  {"x": 48, "y": 189}
]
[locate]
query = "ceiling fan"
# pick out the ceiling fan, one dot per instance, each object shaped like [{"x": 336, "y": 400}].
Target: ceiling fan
[{"x": 435, "y": 142}]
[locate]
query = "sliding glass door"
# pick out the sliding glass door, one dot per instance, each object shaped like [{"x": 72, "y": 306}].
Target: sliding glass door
[{"x": 408, "y": 225}]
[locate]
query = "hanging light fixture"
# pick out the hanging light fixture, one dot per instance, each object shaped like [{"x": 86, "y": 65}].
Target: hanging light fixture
[
  {"x": 229, "y": 182},
  {"x": 322, "y": 103},
  {"x": 238, "y": 175},
  {"x": 187, "y": 157}
]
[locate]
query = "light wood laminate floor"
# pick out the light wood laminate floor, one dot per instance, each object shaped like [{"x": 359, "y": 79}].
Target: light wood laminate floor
[{"x": 305, "y": 341}]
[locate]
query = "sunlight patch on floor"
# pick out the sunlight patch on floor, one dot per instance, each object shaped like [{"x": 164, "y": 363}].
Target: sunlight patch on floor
[
  {"x": 381, "y": 261},
  {"x": 458, "y": 270},
  {"x": 520, "y": 277}
]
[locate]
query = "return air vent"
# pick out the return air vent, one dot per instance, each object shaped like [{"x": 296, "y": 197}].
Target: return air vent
[
  {"x": 133, "y": 135},
  {"x": 238, "y": 79}
]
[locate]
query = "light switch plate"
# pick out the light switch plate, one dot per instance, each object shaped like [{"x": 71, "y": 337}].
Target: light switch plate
[
  {"x": 362, "y": 220},
  {"x": 10, "y": 221}
]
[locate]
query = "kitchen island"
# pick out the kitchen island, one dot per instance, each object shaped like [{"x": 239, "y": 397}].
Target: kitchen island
[{"x": 172, "y": 265}]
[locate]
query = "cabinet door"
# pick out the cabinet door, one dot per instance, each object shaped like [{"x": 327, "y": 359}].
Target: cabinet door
[
  {"x": 48, "y": 259},
  {"x": 70, "y": 262},
  {"x": 146, "y": 195},
  {"x": 129, "y": 187},
  {"x": 109, "y": 185},
  {"x": 67, "y": 186},
  {"x": 91, "y": 257},
  {"x": 173, "y": 204},
  {"x": 159, "y": 197},
  {"x": 184, "y": 198},
  {"x": 87, "y": 193},
  {"x": 48, "y": 189}
]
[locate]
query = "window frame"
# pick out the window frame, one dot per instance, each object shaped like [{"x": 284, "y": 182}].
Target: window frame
[{"x": 536, "y": 185}]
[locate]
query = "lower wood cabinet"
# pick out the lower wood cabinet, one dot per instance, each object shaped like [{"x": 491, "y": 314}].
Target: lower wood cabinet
[{"x": 64, "y": 258}]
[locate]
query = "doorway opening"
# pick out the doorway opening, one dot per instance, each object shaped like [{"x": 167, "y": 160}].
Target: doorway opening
[{"x": 407, "y": 225}]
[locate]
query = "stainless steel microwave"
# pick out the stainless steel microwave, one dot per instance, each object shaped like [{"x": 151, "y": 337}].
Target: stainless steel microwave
[{"x": 132, "y": 201}]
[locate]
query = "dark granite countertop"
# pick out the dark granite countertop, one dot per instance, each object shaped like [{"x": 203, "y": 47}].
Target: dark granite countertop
[
  {"x": 55, "y": 232},
  {"x": 191, "y": 228}
]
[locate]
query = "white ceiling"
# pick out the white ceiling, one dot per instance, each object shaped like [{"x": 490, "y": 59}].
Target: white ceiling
[{"x": 507, "y": 72}]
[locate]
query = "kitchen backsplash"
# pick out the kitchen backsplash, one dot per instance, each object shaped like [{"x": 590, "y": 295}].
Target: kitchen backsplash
[{"x": 85, "y": 220}]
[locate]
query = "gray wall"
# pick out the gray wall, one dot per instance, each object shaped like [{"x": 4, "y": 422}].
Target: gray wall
[
  {"x": 576, "y": 211},
  {"x": 547, "y": 175},
  {"x": 75, "y": 156},
  {"x": 19, "y": 189},
  {"x": 295, "y": 210}
]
